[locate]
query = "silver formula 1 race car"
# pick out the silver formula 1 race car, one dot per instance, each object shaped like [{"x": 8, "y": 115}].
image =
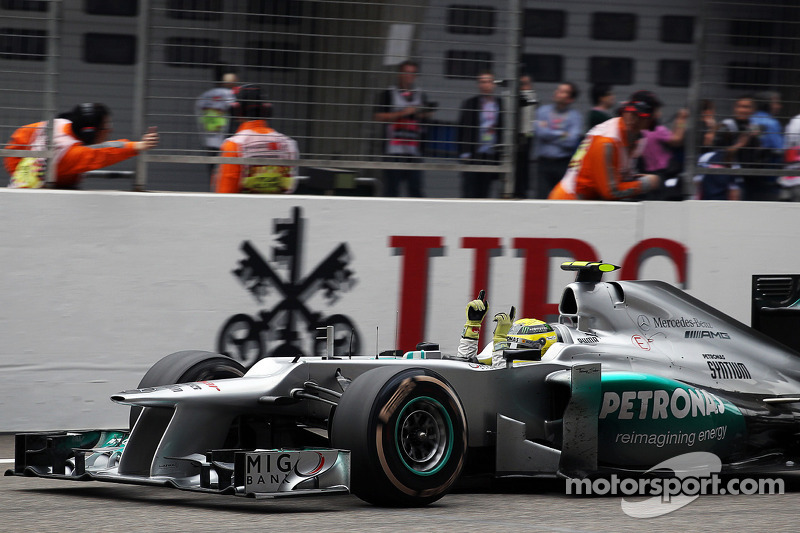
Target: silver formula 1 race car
[{"x": 642, "y": 372}]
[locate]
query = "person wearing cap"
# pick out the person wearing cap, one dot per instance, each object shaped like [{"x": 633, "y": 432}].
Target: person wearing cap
[
  {"x": 603, "y": 167},
  {"x": 254, "y": 138},
  {"x": 80, "y": 140}
]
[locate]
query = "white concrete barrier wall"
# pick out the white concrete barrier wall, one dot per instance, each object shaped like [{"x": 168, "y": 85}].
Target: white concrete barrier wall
[{"x": 96, "y": 287}]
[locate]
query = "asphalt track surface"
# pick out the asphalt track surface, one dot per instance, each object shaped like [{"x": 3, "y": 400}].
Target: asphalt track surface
[{"x": 42, "y": 506}]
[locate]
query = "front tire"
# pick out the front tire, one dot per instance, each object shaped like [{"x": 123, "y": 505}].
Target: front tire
[
  {"x": 186, "y": 367},
  {"x": 407, "y": 434}
]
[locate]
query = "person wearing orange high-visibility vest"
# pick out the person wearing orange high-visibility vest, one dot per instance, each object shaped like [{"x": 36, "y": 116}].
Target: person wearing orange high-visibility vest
[
  {"x": 80, "y": 140},
  {"x": 254, "y": 138},
  {"x": 603, "y": 166}
]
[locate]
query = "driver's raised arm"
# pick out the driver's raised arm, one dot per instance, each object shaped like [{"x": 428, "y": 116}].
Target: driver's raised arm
[{"x": 468, "y": 345}]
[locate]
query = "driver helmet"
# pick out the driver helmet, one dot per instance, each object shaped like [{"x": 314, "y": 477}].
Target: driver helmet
[{"x": 531, "y": 333}]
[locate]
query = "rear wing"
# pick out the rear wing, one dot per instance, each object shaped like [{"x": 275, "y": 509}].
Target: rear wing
[{"x": 591, "y": 271}]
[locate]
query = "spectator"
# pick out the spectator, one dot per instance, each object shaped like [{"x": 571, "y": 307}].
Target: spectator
[
  {"x": 480, "y": 124},
  {"x": 80, "y": 139},
  {"x": 558, "y": 132},
  {"x": 603, "y": 166},
  {"x": 716, "y": 186},
  {"x": 663, "y": 152},
  {"x": 527, "y": 107},
  {"x": 739, "y": 136},
  {"x": 707, "y": 126},
  {"x": 212, "y": 111},
  {"x": 404, "y": 108},
  {"x": 254, "y": 138},
  {"x": 603, "y": 100},
  {"x": 768, "y": 107}
]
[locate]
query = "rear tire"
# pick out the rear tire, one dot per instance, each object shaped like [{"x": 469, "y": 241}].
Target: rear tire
[
  {"x": 185, "y": 367},
  {"x": 407, "y": 434}
]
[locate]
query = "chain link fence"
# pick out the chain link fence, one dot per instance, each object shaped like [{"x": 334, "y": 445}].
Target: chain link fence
[
  {"x": 746, "y": 95},
  {"x": 323, "y": 65}
]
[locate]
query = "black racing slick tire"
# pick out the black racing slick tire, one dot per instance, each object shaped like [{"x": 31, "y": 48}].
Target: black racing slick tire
[
  {"x": 186, "y": 367},
  {"x": 407, "y": 434}
]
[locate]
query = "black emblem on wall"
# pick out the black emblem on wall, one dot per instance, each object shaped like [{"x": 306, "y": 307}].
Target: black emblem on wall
[{"x": 282, "y": 329}]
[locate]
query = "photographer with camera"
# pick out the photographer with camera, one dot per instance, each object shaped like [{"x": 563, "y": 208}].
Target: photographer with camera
[{"x": 404, "y": 108}]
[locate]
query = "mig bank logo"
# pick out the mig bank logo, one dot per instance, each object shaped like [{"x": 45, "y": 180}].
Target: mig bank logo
[{"x": 287, "y": 326}]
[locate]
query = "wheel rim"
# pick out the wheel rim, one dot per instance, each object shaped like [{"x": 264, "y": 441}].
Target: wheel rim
[{"x": 424, "y": 436}]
